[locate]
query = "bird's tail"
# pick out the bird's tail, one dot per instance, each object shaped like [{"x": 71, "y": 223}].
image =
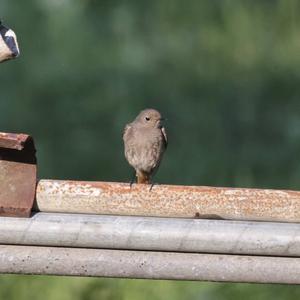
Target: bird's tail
[{"x": 143, "y": 177}]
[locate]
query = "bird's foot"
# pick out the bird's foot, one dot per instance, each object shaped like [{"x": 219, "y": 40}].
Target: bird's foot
[
  {"x": 152, "y": 185},
  {"x": 132, "y": 181}
]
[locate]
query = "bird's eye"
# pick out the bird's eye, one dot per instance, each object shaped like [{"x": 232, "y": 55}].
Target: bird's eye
[{"x": 147, "y": 119}]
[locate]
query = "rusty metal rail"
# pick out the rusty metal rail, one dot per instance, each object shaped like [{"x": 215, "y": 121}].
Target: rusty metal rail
[
  {"x": 168, "y": 201},
  {"x": 176, "y": 247}
]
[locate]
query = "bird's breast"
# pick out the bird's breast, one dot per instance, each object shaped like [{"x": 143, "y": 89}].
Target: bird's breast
[{"x": 144, "y": 149}]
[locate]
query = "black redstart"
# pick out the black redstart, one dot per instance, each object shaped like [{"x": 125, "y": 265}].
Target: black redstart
[{"x": 145, "y": 141}]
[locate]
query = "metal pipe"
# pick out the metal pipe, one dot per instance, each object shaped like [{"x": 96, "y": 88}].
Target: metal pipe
[
  {"x": 146, "y": 264},
  {"x": 158, "y": 234},
  {"x": 168, "y": 201}
]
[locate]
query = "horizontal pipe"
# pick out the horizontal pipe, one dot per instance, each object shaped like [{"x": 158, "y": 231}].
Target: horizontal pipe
[
  {"x": 168, "y": 201},
  {"x": 148, "y": 233},
  {"x": 146, "y": 264}
]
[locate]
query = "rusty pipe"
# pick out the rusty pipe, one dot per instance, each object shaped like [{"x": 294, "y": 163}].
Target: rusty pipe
[{"x": 167, "y": 201}]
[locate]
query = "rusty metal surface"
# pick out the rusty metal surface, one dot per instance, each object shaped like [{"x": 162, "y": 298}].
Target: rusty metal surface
[
  {"x": 18, "y": 173},
  {"x": 147, "y": 264},
  {"x": 13, "y": 140},
  {"x": 168, "y": 201}
]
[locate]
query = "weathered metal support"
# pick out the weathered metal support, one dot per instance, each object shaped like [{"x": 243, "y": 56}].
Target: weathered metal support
[
  {"x": 18, "y": 174},
  {"x": 146, "y": 264},
  {"x": 158, "y": 234},
  {"x": 168, "y": 201}
]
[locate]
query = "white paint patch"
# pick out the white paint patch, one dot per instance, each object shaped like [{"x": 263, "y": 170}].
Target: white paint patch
[{"x": 61, "y": 189}]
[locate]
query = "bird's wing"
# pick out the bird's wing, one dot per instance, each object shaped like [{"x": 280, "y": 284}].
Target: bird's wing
[
  {"x": 126, "y": 130},
  {"x": 163, "y": 130}
]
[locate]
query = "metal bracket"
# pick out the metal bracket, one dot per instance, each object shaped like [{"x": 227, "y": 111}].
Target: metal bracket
[{"x": 18, "y": 174}]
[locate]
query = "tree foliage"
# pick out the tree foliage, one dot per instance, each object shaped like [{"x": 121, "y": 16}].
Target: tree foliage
[{"x": 225, "y": 73}]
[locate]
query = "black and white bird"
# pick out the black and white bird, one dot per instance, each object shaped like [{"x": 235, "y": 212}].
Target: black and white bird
[{"x": 8, "y": 44}]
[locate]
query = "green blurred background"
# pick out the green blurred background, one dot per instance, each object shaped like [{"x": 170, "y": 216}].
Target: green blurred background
[{"x": 226, "y": 74}]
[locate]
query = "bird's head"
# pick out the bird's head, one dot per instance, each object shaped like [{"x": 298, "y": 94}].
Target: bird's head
[{"x": 150, "y": 118}]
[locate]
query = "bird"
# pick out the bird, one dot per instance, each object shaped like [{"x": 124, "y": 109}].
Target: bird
[
  {"x": 145, "y": 141},
  {"x": 8, "y": 44}
]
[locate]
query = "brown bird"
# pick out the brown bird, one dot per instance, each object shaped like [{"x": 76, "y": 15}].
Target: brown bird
[{"x": 145, "y": 141}]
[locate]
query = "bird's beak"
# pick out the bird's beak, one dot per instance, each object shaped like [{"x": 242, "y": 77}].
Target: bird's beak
[
  {"x": 161, "y": 121},
  {"x": 8, "y": 44}
]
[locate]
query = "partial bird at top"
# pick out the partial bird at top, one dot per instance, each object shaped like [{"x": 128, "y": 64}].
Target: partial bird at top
[{"x": 9, "y": 47}]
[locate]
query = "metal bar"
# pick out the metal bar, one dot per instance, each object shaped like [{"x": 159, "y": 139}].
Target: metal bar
[
  {"x": 158, "y": 234},
  {"x": 18, "y": 174},
  {"x": 146, "y": 264},
  {"x": 13, "y": 140},
  {"x": 168, "y": 201}
]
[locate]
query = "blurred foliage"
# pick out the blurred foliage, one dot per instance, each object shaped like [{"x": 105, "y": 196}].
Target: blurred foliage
[{"x": 226, "y": 74}]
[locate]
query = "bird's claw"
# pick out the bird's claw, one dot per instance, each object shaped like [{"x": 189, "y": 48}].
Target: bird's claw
[
  {"x": 132, "y": 180},
  {"x": 151, "y": 186}
]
